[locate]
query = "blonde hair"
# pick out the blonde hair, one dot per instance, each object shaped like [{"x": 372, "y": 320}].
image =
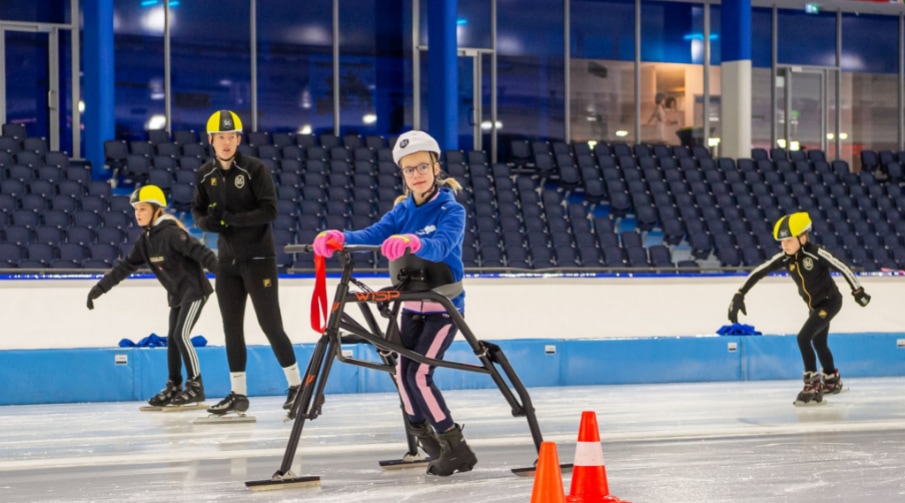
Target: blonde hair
[{"x": 441, "y": 180}]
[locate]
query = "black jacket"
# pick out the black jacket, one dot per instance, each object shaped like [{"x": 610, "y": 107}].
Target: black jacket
[
  {"x": 810, "y": 270},
  {"x": 248, "y": 199},
  {"x": 174, "y": 257}
]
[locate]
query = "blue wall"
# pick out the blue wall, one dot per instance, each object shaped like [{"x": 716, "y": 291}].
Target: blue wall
[{"x": 90, "y": 375}]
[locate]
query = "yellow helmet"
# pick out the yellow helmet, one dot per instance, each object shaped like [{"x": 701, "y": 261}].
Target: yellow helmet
[
  {"x": 224, "y": 121},
  {"x": 149, "y": 194},
  {"x": 792, "y": 226}
]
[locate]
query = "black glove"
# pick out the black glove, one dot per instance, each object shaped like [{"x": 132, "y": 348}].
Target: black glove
[
  {"x": 96, "y": 291},
  {"x": 861, "y": 297},
  {"x": 737, "y": 304},
  {"x": 215, "y": 212}
]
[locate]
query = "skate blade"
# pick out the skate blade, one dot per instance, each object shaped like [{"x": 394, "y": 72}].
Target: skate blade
[
  {"x": 812, "y": 403},
  {"x": 183, "y": 408},
  {"x": 225, "y": 419},
  {"x": 287, "y": 482},
  {"x": 405, "y": 464},
  {"x": 151, "y": 408},
  {"x": 530, "y": 471}
]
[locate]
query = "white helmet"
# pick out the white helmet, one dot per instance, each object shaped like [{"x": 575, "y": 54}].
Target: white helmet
[{"x": 414, "y": 141}]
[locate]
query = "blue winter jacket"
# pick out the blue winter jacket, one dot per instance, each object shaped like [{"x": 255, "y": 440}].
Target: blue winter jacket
[{"x": 439, "y": 223}]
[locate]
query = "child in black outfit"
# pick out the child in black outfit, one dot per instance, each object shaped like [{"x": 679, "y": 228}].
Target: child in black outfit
[
  {"x": 176, "y": 259},
  {"x": 809, "y": 267}
]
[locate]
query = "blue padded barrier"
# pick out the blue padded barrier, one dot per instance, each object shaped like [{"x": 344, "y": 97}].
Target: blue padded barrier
[{"x": 129, "y": 374}]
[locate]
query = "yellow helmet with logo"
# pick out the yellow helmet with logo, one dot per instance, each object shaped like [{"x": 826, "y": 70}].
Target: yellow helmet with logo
[
  {"x": 149, "y": 194},
  {"x": 792, "y": 226},
  {"x": 224, "y": 121}
]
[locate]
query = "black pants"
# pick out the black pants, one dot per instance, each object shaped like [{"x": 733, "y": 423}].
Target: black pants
[
  {"x": 429, "y": 335},
  {"x": 814, "y": 333},
  {"x": 257, "y": 279},
  {"x": 179, "y": 340}
]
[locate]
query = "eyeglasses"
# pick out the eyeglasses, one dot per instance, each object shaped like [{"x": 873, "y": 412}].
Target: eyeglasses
[{"x": 421, "y": 168}]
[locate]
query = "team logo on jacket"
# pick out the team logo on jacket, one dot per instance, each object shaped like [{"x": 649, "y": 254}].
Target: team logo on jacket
[
  {"x": 213, "y": 182},
  {"x": 791, "y": 267},
  {"x": 821, "y": 313},
  {"x": 267, "y": 283},
  {"x": 807, "y": 263},
  {"x": 240, "y": 181}
]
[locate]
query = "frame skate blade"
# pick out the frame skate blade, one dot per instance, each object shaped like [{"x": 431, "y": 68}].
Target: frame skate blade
[
  {"x": 183, "y": 408},
  {"x": 283, "y": 483},
  {"x": 529, "y": 472},
  {"x": 401, "y": 464},
  {"x": 150, "y": 408},
  {"x": 224, "y": 419}
]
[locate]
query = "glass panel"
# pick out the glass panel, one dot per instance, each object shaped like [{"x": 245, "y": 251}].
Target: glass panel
[
  {"x": 807, "y": 107},
  {"x": 295, "y": 66},
  {"x": 531, "y": 90},
  {"x": 603, "y": 30},
  {"x": 671, "y": 101},
  {"x": 870, "y": 114},
  {"x": 603, "y": 100},
  {"x": 466, "y": 104},
  {"x": 814, "y": 46},
  {"x": 138, "y": 52},
  {"x": 869, "y": 94},
  {"x": 472, "y": 23},
  {"x": 761, "y": 115},
  {"x": 671, "y": 32},
  {"x": 44, "y": 11},
  {"x": 602, "y": 70},
  {"x": 210, "y": 61},
  {"x": 761, "y": 37},
  {"x": 27, "y": 81},
  {"x": 672, "y": 94}
]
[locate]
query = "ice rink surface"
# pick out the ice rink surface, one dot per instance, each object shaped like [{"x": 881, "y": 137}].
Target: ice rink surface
[{"x": 672, "y": 443}]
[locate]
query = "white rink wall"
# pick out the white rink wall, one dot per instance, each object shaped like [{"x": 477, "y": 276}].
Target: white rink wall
[{"x": 51, "y": 313}]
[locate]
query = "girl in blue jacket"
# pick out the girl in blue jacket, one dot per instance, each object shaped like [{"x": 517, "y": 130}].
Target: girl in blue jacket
[{"x": 428, "y": 222}]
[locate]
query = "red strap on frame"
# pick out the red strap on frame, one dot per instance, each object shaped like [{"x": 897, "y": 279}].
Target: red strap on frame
[{"x": 319, "y": 297}]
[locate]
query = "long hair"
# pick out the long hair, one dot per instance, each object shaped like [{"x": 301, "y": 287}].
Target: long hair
[{"x": 441, "y": 179}]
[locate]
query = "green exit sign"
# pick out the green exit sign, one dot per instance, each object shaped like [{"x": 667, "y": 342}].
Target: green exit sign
[{"x": 812, "y": 8}]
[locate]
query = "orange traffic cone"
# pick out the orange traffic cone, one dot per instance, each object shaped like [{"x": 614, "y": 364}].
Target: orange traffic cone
[
  {"x": 548, "y": 486},
  {"x": 589, "y": 483}
]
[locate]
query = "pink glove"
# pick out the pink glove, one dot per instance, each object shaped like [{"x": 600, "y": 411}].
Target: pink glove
[
  {"x": 395, "y": 246},
  {"x": 320, "y": 242}
]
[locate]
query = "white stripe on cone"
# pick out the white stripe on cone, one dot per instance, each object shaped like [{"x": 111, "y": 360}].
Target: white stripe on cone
[{"x": 588, "y": 454}]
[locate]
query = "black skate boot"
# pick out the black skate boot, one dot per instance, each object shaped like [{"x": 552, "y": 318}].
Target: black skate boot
[
  {"x": 232, "y": 403},
  {"x": 192, "y": 394},
  {"x": 832, "y": 383},
  {"x": 425, "y": 437},
  {"x": 812, "y": 394},
  {"x": 455, "y": 455},
  {"x": 290, "y": 398},
  {"x": 166, "y": 395}
]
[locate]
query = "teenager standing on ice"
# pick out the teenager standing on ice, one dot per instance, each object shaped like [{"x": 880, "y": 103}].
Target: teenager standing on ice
[
  {"x": 809, "y": 266},
  {"x": 235, "y": 197},
  {"x": 425, "y": 229},
  {"x": 178, "y": 260}
]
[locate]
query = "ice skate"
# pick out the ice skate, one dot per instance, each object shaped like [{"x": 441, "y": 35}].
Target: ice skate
[
  {"x": 426, "y": 439},
  {"x": 191, "y": 398},
  {"x": 455, "y": 455},
  {"x": 290, "y": 397},
  {"x": 812, "y": 394},
  {"x": 230, "y": 410},
  {"x": 162, "y": 399},
  {"x": 832, "y": 383}
]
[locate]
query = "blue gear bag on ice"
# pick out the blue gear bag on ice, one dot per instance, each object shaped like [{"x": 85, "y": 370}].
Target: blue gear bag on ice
[
  {"x": 156, "y": 341},
  {"x": 737, "y": 329}
]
